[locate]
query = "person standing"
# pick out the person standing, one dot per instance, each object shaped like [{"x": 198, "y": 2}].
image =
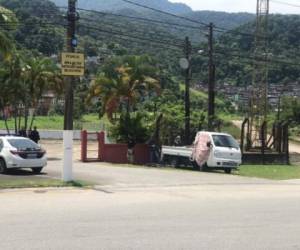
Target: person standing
[
  {"x": 34, "y": 135},
  {"x": 177, "y": 141},
  {"x": 22, "y": 132},
  {"x": 130, "y": 150}
]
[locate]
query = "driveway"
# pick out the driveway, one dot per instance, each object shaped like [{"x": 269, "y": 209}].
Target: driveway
[
  {"x": 126, "y": 176},
  {"x": 114, "y": 176}
]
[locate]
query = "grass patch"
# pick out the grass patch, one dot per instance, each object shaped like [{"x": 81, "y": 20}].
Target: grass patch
[
  {"x": 88, "y": 122},
  {"x": 272, "y": 172},
  {"x": 201, "y": 95},
  {"x": 40, "y": 183}
]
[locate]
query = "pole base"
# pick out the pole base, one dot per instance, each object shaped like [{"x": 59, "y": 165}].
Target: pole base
[{"x": 67, "y": 173}]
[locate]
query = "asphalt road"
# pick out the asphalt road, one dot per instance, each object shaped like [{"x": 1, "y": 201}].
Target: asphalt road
[
  {"x": 148, "y": 208},
  {"x": 243, "y": 216}
]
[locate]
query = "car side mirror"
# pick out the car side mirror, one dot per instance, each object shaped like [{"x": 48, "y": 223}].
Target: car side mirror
[{"x": 208, "y": 144}]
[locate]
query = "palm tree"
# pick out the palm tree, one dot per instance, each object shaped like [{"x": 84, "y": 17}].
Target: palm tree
[
  {"x": 41, "y": 75},
  {"x": 13, "y": 85},
  {"x": 123, "y": 83},
  {"x": 23, "y": 81},
  {"x": 8, "y": 21}
]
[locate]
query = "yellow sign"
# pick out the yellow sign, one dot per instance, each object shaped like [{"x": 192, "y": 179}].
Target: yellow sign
[{"x": 72, "y": 64}]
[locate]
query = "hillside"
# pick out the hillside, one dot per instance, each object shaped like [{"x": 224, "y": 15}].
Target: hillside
[
  {"x": 220, "y": 19},
  {"x": 284, "y": 45},
  {"x": 116, "y": 5},
  {"x": 35, "y": 31},
  {"x": 107, "y": 35}
]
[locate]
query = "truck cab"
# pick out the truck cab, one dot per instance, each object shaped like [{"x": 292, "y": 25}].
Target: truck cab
[{"x": 224, "y": 152}]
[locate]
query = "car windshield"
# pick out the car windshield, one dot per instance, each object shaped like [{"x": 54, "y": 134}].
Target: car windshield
[
  {"x": 225, "y": 141},
  {"x": 23, "y": 144}
]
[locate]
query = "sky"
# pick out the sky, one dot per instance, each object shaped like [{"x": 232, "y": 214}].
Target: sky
[{"x": 241, "y": 5}]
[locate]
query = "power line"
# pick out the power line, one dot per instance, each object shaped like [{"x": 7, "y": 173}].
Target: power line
[
  {"x": 142, "y": 19},
  {"x": 285, "y": 3},
  {"x": 259, "y": 59},
  {"x": 206, "y": 25},
  {"x": 218, "y": 29},
  {"x": 44, "y": 24},
  {"x": 159, "y": 35},
  {"x": 166, "y": 13},
  {"x": 118, "y": 33},
  {"x": 147, "y": 20},
  {"x": 240, "y": 56}
]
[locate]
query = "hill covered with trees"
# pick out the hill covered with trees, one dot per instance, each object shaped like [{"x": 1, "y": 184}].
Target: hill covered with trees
[
  {"x": 116, "y": 5},
  {"x": 42, "y": 28},
  {"x": 283, "y": 51},
  {"x": 105, "y": 37}
]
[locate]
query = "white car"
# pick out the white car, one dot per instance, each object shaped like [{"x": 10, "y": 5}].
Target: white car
[{"x": 20, "y": 152}]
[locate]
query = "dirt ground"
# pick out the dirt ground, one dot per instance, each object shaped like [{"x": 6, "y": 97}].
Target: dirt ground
[{"x": 54, "y": 150}]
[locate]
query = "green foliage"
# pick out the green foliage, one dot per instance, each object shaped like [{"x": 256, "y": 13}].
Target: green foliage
[
  {"x": 131, "y": 127},
  {"x": 23, "y": 81},
  {"x": 9, "y": 22},
  {"x": 290, "y": 110},
  {"x": 283, "y": 40},
  {"x": 123, "y": 82},
  {"x": 115, "y": 5},
  {"x": 32, "y": 33}
]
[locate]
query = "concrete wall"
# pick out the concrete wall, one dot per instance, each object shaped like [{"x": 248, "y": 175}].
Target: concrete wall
[{"x": 51, "y": 134}]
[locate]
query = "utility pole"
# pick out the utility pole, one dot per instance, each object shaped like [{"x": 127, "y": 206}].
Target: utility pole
[
  {"x": 69, "y": 96},
  {"x": 211, "y": 80},
  {"x": 188, "y": 73}
]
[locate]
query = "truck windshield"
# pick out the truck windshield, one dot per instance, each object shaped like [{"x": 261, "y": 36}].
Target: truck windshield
[{"x": 225, "y": 141}]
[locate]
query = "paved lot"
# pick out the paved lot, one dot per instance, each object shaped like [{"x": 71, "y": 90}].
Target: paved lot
[{"x": 122, "y": 176}]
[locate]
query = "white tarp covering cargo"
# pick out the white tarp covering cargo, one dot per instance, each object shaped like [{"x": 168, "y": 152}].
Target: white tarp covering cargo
[{"x": 201, "y": 151}]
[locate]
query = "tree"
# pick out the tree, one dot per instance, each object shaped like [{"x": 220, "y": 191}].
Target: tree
[
  {"x": 291, "y": 110},
  {"x": 8, "y": 21},
  {"x": 124, "y": 82},
  {"x": 41, "y": 75},
  {"x": 13, "y": 85},
  {"x": 24, "y": 80}
]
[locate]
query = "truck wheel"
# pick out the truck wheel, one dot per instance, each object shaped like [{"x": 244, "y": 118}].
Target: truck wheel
[
  {"x": 227, "y": 170},
  {"x": 3, "y": 168},
  {"x": 174, "y": 162},
  {"x": 195, "y": 166},
  {"x": 203, "y": 168}
]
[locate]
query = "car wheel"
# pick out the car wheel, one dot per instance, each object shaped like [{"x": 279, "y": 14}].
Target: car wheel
[
  {"x": 3, "y": 168},
  {"x": 227, "y": 170},
  {"x": 36, "y": 170}
]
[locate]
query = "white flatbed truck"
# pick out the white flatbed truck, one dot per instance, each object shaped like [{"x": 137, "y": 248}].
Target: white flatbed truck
[{"x": 210, "y": 151}]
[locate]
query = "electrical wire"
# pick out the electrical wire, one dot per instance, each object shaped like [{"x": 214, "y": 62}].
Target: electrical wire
[
  {"x": 285, "y": 3},
  {"x": 218, "y": 29},
  {"x": 158, "y": 35},
  {"x": 166, "y": 13},
  {"x": 118, "y": 33}
]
